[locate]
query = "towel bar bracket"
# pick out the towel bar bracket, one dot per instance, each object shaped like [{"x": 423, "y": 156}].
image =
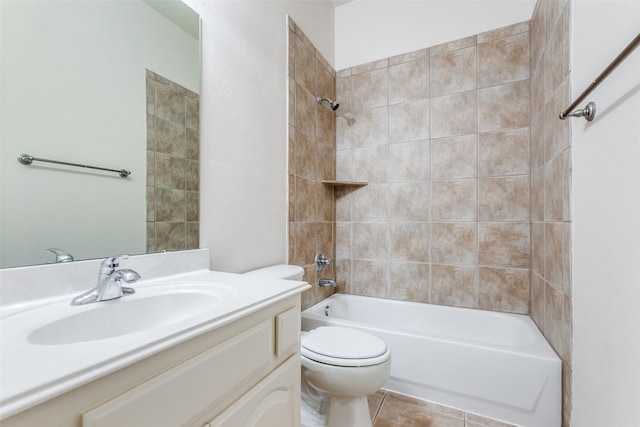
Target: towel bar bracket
[{"x": 588, "y": 112}]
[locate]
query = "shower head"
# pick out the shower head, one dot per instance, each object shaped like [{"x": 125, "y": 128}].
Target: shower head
[{"x": 334, "y": 104}]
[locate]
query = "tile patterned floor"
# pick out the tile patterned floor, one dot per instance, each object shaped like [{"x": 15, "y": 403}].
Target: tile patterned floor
[{"x": 390, "y": 409}]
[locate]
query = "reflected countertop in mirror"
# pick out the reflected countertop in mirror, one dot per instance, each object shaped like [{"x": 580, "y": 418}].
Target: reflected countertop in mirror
[{"x": 75, "y": 88}]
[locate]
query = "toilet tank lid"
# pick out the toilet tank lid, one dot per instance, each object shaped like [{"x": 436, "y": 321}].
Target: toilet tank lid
[{"x": 279, "y": 271}]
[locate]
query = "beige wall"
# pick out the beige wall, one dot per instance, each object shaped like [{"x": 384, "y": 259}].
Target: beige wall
[
  {"x": 551, "y": 301},
  {"x": 312, "y": 142},
  {"x": 442, "y": 137}
]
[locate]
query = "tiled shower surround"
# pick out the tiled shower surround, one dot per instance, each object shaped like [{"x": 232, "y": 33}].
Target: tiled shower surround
[
  {"x": 551, "y": 302},
  {"x": 312, "y": 158},
  {"x": 173, "y": 152},
  {"x": 441, "y": 135},
  {"x": 468, "y": 170}
]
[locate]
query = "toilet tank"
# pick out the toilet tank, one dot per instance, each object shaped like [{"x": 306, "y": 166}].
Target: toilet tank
[{"x": 279, "y": 271}]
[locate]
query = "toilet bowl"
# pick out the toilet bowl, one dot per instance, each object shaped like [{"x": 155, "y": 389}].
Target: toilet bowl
[{"x": 340, "y": 367}]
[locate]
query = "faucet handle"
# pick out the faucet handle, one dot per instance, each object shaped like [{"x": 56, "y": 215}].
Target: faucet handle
[
  {"x": 113, "y": 261},
  {"x": 320, "y": 261}
]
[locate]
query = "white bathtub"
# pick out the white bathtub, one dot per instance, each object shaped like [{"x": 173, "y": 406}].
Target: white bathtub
[{"x": 493, "y": 364}]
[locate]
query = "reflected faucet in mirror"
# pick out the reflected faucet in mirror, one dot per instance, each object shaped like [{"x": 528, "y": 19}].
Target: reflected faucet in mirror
[
  {"x": 61, "y": 255},
  {"x": 109, "y": 284}
]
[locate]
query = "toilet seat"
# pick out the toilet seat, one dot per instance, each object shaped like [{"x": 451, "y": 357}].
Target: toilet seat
[{"x": 338, "y": 346}]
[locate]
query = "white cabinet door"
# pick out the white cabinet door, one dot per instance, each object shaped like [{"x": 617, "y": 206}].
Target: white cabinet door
[
  {"x": 175, "y": 396},
  {"x": 274, "y": 402}
]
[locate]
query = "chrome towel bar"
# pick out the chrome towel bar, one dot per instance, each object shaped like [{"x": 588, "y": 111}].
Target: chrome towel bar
[
  {"x": 26, "y": 159},
  {"x": 589, "y": 112}
]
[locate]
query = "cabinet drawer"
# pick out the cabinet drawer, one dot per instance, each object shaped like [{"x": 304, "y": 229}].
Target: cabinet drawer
[
  {"x": 288, "y": 332},
  {"x": 172, "y": 398}
]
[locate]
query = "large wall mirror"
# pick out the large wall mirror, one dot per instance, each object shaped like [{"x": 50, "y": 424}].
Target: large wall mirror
[{"x": 111, "y": 84}]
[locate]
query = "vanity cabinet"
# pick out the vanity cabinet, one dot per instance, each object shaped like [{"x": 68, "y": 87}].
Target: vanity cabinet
[{"x": 245, "y": 373}]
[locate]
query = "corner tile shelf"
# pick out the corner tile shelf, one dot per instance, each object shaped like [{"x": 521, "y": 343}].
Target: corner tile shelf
[{"x": 332, "y": 183}]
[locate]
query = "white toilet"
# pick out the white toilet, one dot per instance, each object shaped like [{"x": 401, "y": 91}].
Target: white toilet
[{"x": 340, "y": 366}]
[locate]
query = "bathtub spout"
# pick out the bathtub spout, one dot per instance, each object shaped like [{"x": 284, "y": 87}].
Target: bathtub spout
[{"x": 327, "y": 283}]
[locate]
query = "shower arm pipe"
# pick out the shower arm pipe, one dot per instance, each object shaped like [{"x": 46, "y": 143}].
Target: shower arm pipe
[
  {"x": 612, "y": 66},
  {"x": 26, "y": 159}
]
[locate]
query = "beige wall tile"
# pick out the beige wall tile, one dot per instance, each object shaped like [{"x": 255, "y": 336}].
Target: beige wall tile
[
  {"x": 326, "y": 126},
  {"x": 371, "y": 164},
  {"x": 344, "y": 200},
  {"x": 499, "y": 33},
  {"x": 325, "y": 162},
  {"x": 370, "y": 66},
  {"x": 453, "y": 285},
  {"x": 369, "y": 278},
  {"x": 409, "y": 281},
  {"x": 408, "y": 57},
  {"x": 305, "y": 242},
  {"x": 306, "y": 107},
  {"x": 325, "y": 204},
  {"x": 504, "y": 106},
  {"x": 371, "y": 203},
  {"x": 454, "y": 200},
  {"x": 504, "y": 244},
  {"x": 192, "y": 175},
  {"x": 504, "y": 290},
  {"x": 409, "y": 81},
  {"x": 409, "y": 161},
  {"x": 504, "y": 152},
  {"x": 453, "y": 115},
  {"x": 193, "y": 144},
  {"x": 553, "y": 190},
  {"x": 453, "y": 45},
  {"x": 170, "y": 138},
  {"x": 170, "y": 236},
  {"x": 553, "y": 253},
  {"x": 537, "y": 143},
  {"x": 343, "y": 131},
  {"x": 555, "y": 320},
  {"x": 409, "y": 241},
  {"x": 343, "y": 95},
  {"x": 343, "y": 240},
  {"x": 304, "y": 151},
  {"x": 370, "y": 89},
  {"x": 370, "y": 240},
  {"x": 305, "y": 65},
  {"x": 538, "y": 300},
  {"x": 537, "y": 248},
  {"x": 151, "y": 204},
  {"x": 326, "y": 81},
  {"x": 455, "y": 157},
  {"x": 409, "y": 201},
  {"x": 454, "y": 243},
  {"x": 504, "y": 60},
  {"x": 305, "y": 200},
  {"x": 409, "y": 121},
  {"x": 537, "y": 195},
  {"x": 453, "y": 72},
  {"x": 170, "y": 206},
  {"x": 369, "y": 127},
  {"x": 504, "y": 198}
]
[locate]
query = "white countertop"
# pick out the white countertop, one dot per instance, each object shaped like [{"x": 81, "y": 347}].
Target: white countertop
[{"x": 33, "y": 373}]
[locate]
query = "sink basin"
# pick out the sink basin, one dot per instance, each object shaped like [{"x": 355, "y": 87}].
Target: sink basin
[{"x": 149, "y": 308}]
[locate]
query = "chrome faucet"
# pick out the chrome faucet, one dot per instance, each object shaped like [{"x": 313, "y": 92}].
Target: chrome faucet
[
  {"x": 109, "y": 284},
  {"x": 321, "y": 262},
  {"x": 326, "y": 283},
  {"x": 61, "y": 255}
]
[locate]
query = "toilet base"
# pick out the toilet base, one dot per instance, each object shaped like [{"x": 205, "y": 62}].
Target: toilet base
[{"x": 348, "y": 411}]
